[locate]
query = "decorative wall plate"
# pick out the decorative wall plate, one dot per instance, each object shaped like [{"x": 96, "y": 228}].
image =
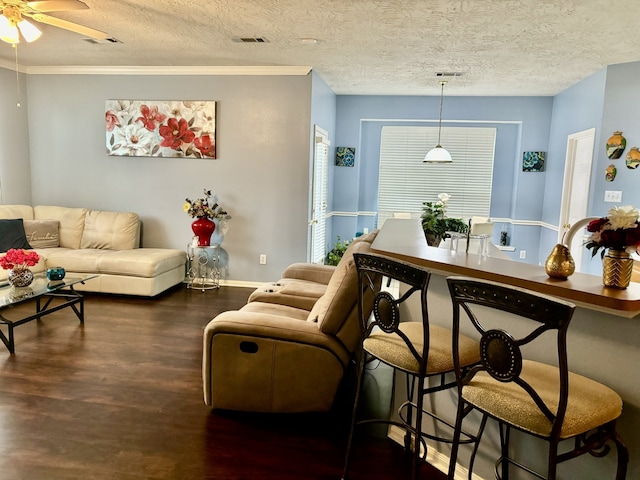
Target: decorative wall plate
[
  {"x": 616, "y": 145},
  {"x": 610, "y": 173},
  {"x": 633, "y": 158}
]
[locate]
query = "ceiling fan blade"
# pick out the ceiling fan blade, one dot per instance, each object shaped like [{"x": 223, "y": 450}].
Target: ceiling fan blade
[
  {"x": 73, "y": 27},
  {"x": 57, "y": 5}
]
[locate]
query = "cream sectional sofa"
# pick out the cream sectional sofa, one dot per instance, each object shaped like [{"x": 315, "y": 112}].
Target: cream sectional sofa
[{"x": 85, "y": 241}]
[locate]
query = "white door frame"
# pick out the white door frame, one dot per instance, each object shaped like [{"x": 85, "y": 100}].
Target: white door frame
[
  {"x": 318, "y": 189},
  {"x": 575, "y": 201}
]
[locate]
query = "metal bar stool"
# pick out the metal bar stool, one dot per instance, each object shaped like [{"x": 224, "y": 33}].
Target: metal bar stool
[
  {"x": 546, "y": 401},
  {"x": 416, "y": 348}
]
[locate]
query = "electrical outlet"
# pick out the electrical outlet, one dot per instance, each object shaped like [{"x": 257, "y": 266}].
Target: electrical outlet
[
  {"x": 263, "y": 259},
  {"x": 523, "y": 254},
  {"x": 612, "y": 196}
]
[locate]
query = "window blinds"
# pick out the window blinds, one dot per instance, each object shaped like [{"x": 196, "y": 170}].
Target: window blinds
[{"x": 405, "y": 182}]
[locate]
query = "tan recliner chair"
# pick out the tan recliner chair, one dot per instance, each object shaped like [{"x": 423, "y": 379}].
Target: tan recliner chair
[{"x": 273, "y": 357}]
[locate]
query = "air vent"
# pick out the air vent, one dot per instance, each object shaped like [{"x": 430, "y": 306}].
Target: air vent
[
  {"x": 448, "y": 74},
  {"x": 101, "y": 41},
  {"x": 250, "y": 40}
]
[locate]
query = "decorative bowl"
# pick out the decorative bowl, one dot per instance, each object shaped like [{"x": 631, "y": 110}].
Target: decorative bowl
[{"x": 55, "y": 273}]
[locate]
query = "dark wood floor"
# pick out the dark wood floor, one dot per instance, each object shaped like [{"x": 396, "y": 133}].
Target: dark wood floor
[{"x": 121, "y": 398}]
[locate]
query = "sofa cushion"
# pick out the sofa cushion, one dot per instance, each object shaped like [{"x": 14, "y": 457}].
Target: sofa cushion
[
  {"x": 139, "y": 262},
  {"x": 42, "y": 233},
  {"x": 332, "y": 309},
  {"x": 110, "y": 230},
  {"x": 16, "y": 211},
  {"x": 12, "y": 234},
  {"x": 71, "y": 222}
]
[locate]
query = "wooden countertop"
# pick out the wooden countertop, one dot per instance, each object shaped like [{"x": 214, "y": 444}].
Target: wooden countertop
[{"x": 404, "y": 239}]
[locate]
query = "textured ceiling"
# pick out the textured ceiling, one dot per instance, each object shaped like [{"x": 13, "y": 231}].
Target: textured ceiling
[{"x": 502, "y": 47}]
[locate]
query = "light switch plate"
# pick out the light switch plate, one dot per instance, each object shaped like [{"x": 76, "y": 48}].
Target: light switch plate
[{"x": 612, "y": 196}]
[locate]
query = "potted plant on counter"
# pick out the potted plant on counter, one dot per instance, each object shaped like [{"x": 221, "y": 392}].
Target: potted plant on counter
[{"x": 435, "y": 222}]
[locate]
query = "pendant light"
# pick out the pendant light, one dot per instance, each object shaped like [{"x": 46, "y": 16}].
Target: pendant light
[{"x": 439, "y": 154}]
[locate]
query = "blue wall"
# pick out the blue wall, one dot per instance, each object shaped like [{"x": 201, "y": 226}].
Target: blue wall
[
  {"x": 576, "y": 109},
  {"x": 607, "y": 100},
  {"x": 522, "y": 123}
]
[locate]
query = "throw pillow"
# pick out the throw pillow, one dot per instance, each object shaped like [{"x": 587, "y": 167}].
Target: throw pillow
[
  {"x": 12, "y": 234},
  {"x": 42, "y": 233}
]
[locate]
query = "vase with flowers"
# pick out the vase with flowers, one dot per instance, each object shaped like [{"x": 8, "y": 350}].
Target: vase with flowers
[
  {"x": 204, "y": 210},
  {"x": 617, "y": 235},
  {"x": 18, "y": 261},
  {"x": 435, "y": 222}
]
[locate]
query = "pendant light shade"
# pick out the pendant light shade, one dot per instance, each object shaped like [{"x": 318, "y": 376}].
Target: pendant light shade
[{"x": 439, "y": 154}]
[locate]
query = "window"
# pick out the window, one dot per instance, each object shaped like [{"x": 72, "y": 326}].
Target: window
[
  {"x": 405, "y": 182},
  {"x": 319, "y": 196}
]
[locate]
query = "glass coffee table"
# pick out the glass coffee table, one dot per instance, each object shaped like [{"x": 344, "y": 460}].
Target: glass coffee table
[{"x": 49, "y": 296}]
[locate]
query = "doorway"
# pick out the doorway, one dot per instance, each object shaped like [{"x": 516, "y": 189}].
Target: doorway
[
  {"x": 317, "y": 221},
  {"x": 576, "y": 188}
]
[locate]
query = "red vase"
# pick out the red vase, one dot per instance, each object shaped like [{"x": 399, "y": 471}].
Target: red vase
[{"x": 203, "y": 228}]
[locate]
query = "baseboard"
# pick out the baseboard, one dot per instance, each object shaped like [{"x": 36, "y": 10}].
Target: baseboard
[
  {"x": 434, "y": 458},
  {"x": 240, "y": 283}
]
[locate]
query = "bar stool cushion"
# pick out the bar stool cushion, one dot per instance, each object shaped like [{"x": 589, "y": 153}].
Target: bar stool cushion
[
  {"x": 391, "y": 349},
  {"x": 590, "y": 403}
]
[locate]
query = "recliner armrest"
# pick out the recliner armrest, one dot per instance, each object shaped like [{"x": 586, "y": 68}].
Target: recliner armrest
[{"x": 311, "y": 272}]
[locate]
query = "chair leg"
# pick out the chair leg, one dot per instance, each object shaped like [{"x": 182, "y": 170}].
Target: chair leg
[
  {"x": 457, "y": 432},
  {"x": 410, "y": 385},
  {"x": 476, "y": 445},
  {"x": 623, "y": 457},
  {"x": 356, "y": 401},
  {"x": 505, "y": 433},
  {"x": 418, "y": 432},
  {"x": 552, "y": 466}
]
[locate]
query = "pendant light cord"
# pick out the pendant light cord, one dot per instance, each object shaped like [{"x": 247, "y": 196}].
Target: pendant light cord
[
  {"x": 15, "y": 47},
  {"x": 440, "y": 120}
]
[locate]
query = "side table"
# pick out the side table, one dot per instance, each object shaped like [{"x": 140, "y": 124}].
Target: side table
[{"x": 203, "y": 270}]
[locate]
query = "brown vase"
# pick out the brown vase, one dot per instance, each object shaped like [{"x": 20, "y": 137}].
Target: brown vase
[
  {"x": 616, "y": 145},
  {"x": 560, "y": 263},
  {"x": 617, "y": 267}
]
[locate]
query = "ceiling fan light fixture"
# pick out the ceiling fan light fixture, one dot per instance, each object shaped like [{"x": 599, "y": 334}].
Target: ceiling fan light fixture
[
  {"x": 8, "y": 31},
  {"x": 439, "y": 154},
  {"x": 29, "y": 31}
]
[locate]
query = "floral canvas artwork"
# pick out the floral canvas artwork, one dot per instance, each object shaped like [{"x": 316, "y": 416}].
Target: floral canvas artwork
[
  {"x": 139, "y": 128},
  {"x": 345, "y": 156},
  {"x": 533, "y": 161}
]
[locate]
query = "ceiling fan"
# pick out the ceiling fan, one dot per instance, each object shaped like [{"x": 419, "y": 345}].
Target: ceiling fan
[{"x": 13, "y": 21}]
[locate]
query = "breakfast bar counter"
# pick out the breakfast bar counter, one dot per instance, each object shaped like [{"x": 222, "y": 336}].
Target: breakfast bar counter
[
  {"x": 404, "y": 239},
  {"x": 603, "y": 341}
]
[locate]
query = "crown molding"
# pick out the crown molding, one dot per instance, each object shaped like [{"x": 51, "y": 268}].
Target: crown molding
[
  {"x": 296, "y": 70},
  {"x": 11, "y": 66}
]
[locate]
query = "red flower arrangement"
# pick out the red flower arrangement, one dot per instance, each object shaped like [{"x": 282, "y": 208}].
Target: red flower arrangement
[
  {"x": 618, "y": 231},
  {"x": 18, "y": 259}
]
